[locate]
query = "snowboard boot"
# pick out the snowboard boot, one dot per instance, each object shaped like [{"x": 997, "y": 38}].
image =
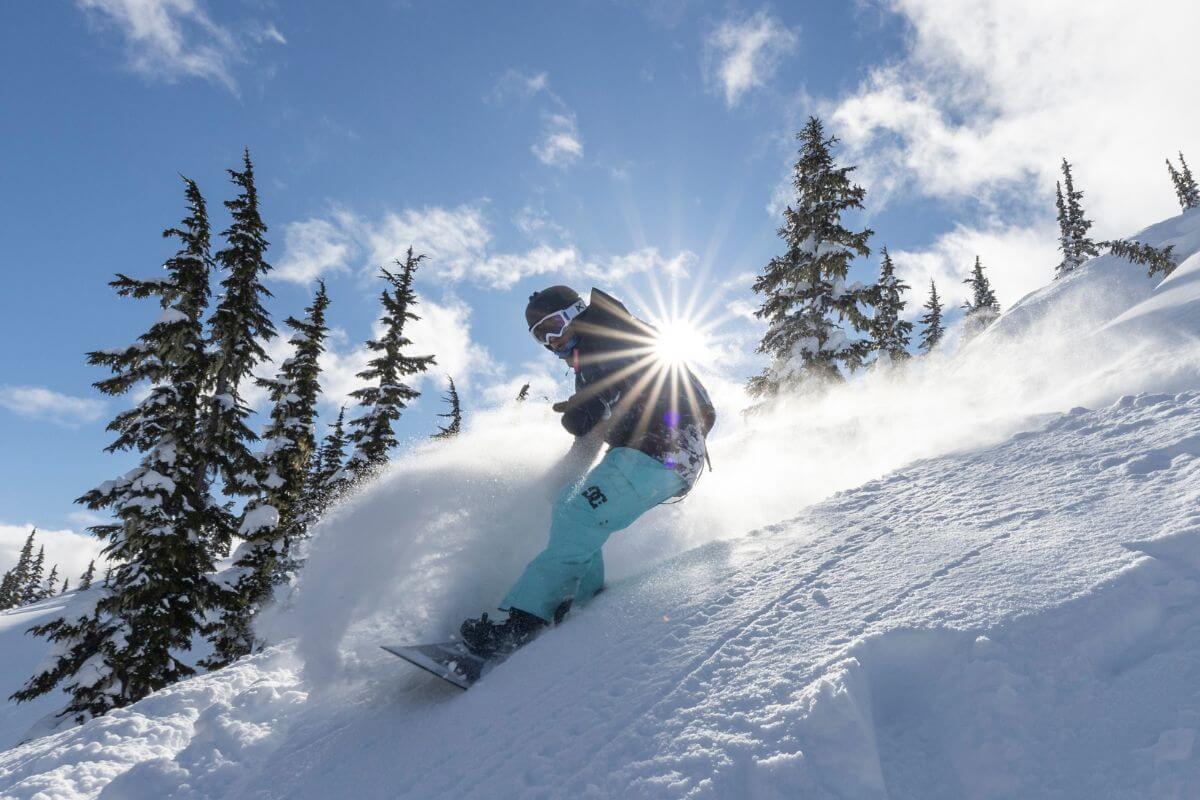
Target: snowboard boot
[
  {"x": 560, "y": 613},
  {"x": 488, "y": 639}
]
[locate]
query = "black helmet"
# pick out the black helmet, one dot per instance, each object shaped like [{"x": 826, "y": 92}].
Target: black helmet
[{"x": 548, "y": 301}]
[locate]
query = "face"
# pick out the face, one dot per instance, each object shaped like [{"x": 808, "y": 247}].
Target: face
[{"x": 559, "y": 342}]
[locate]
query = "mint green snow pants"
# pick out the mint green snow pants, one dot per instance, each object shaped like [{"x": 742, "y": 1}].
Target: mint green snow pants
[{"x": 624, "y": 485}]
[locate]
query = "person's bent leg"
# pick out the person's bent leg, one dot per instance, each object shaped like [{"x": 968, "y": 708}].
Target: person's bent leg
[
  {"x": 622, "y": 487},
  {"x": 593, "y": 579}
]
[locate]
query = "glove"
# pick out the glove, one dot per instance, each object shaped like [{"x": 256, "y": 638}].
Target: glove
[
  {"x": 577, "y": 422},
  {"x": 561, "y": 406},
  {"x": 576, "y": 419}
]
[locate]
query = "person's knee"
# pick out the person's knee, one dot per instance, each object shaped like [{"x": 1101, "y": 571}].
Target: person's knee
[{"x": 575, "y": 537}]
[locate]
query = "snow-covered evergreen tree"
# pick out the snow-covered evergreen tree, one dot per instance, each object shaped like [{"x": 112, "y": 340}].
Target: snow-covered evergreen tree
[
  {"x": 810, "y": 311},
  {"x": 1073, "y": 226},
  {"x": 1185, "y": 185},
  {"x": 130, "y": 642},
  {"x": 332, "y": 455},
  {"x": 523, "y": 395},
  {"x": 237, "y": 330},
  {"x": 274, "y": 518},
  {"x": 454, "y": 414},
  {"x": 8, "y": 592},
  {"x": 382, "y": 402},
  {"x": 932, "y": 320},
  {"x": 1157, "y": 260},
  {"x": 12, "y": 587},
  {"x": 890, "y": 333},
  {"x": 33, "y": 579},
  {"x": 85, "y": 582},
  {"x": 325, "y": 472},
  {"x": 51, "y": 587},
  {"x": 983, "y": 308}
]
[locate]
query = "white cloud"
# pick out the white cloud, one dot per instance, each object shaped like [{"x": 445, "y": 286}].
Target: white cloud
[
  {"x": 503, "y": 271},
  {"x": 37, "y": 402},
  {"x": 743, "y": 54},
  {"x": 312, "y": 248},
  {"x": 1015, "y": 259},
  {"x": 455, "y": 239},
  {"x": 458, "y": 244},
  {"x": 560, "y": 145},
  {"x": 536, "y": 224},
  {"x": 172, "y": 39},
  {"x": 268, "y": 33},
  {"x": 83, "y": 518},
  {"x": 278, "y": 350},
  {"x": 506, "y": 269},
  {"x": 515, "y": 83},
  {"x": 340, "y": 364},
  {"x": 71, "y": 551},
  {"x": 444, "y": 330},
  {"x": 645, "y": 260},
  {"x": 993, "y": 93}
]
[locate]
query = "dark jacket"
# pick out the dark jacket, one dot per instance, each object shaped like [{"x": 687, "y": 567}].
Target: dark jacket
[{"x": 651, "y": 406}]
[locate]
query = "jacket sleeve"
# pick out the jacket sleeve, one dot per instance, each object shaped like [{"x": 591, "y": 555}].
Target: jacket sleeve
[{"x": 588, "y": 406}]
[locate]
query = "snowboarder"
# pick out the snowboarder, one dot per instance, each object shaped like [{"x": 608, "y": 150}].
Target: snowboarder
[{"x": 654, "y": 416}]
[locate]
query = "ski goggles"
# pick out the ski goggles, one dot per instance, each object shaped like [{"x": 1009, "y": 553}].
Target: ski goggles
[{"x": 552, "y": 326}]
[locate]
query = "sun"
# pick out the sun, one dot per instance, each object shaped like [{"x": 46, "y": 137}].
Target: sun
[{"x": 680, "y": 341}]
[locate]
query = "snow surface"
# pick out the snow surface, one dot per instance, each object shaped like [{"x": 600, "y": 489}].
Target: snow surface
[{"x": 951, "y": 581}]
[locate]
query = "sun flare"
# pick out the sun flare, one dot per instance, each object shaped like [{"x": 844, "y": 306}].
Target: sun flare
[{"x": 680, "y": 341}]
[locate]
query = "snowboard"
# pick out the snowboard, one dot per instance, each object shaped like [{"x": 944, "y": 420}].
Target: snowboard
[{"x": 450, "y": 661}]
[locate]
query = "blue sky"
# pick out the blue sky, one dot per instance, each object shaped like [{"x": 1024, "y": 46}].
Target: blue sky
[{"x": 638, "y": 146}]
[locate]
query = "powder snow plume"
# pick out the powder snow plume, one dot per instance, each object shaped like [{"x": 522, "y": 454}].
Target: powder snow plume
[{"x": 446, "y": 530}]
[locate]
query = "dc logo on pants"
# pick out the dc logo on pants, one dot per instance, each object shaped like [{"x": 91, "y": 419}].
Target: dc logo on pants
[{"x": 594, "y": 496}]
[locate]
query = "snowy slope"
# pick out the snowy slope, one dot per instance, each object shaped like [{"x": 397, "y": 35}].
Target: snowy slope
[
  {"x": 1018, "y": 620},
  {"x": 21, "y": 655},
  {"x": 1002, "y": 602}
]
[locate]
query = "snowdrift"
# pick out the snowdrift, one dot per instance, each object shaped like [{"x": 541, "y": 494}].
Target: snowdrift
[{"x": 1004, "y": 606}]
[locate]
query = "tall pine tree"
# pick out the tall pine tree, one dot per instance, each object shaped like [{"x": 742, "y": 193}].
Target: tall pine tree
[
  {"x": 890, "y": 333},
  {"x": 51, "y": 587},
  {"x": 8, "y": 586},
  {"x": 33, "y": 580},
  {"x": 85, "y": 582},
  {"x": 237, "y": 330},
  {"x": 12, "y": 588},
  {"x": 274, "y": 519},
  {"x": 810, "y": 311},
  {"x": 983, "y": 308},
  {"x": 454, "y": 414},
  {"x": 523, "y": 395},
  {"x": 131, "y": 642},
  {"x": 326, "y": 467},
  {"x": 932, "y": 320},
  {"x": 382, "y": 402},
  {"x": 1073, "y": 240},
  {"x": 325, "y": 474},
  {"x": 1185, "y": 185}
]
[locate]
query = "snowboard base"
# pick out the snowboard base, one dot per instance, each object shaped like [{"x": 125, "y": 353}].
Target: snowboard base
[{"x": 450, "y": 661}]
